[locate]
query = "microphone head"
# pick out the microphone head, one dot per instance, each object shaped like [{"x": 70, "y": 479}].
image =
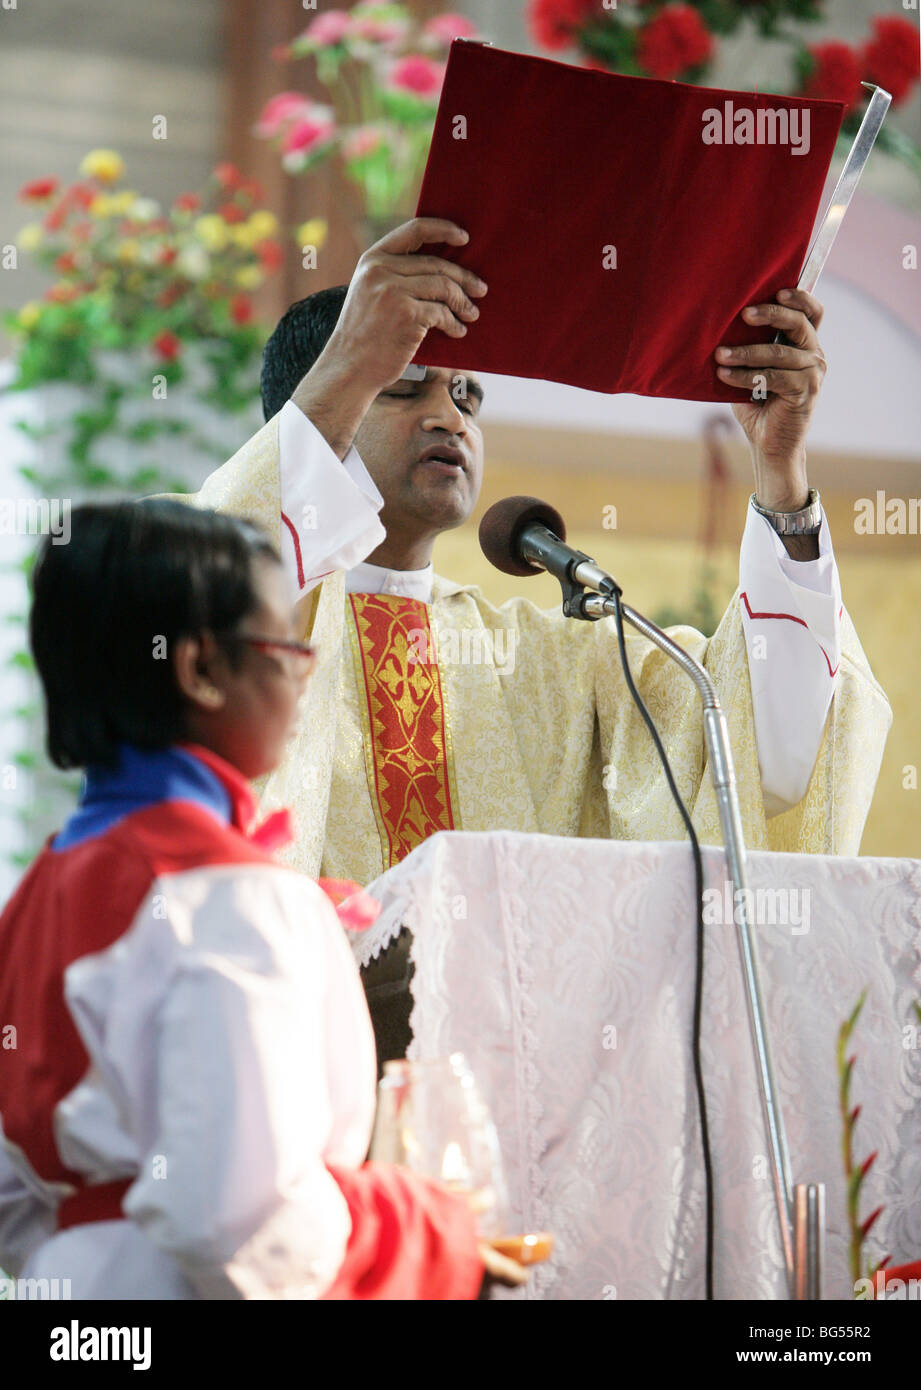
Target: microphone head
[{"x": 501, "y": 528}]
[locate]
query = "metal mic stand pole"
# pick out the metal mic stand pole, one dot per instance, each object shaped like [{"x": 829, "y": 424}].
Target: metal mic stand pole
[{"x": 801, "y": 1210}]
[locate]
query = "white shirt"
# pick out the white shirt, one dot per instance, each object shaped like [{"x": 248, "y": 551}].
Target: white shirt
[{"x": 791, "y": 609}]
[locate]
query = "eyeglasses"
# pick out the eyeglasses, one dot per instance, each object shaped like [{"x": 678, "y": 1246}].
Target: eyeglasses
[{"x": 295, "y": 652}]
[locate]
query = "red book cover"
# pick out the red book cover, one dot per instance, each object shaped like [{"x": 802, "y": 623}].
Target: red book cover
[{"x": 621, "y": 223}]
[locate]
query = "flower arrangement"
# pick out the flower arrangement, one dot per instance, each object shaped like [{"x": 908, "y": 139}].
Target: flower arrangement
[
  {"x": 679, "y": 41},
  {"x": 132, "y": 276},
  {"x": 384, "y": 74},
  {"x": 142, "y": 358},
  {"x": 854, "y": 1173}
]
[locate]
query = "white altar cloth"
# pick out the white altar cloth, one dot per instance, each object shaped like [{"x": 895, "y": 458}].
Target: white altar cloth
[{"x": 563, "y": 969}]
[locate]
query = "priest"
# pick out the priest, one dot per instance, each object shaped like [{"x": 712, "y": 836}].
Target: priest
[{"x": 359, "y": 469}]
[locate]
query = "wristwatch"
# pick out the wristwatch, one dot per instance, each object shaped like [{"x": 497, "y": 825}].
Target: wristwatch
[{"x": 806, "y": 522}]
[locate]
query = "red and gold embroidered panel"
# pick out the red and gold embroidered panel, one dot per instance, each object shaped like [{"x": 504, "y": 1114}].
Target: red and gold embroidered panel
[{"x": 406, "y": 737}]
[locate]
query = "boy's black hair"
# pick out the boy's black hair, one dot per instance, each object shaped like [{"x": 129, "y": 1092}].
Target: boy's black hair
[
  {"x": 108, "y": 606},
  {"x": 299, "y": 338}
]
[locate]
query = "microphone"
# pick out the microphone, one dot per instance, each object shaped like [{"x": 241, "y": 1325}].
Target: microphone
[{"x": 525, "y": 536}]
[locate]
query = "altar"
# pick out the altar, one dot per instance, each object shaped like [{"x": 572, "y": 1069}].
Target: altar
[{"x": 563, "y": 970}]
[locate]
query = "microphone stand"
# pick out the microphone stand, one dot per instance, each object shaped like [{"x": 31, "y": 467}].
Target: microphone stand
[{"x": 800, "y": 1208}]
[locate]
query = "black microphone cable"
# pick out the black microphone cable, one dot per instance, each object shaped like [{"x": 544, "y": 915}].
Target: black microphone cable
[{"x": 699, "y": 961}]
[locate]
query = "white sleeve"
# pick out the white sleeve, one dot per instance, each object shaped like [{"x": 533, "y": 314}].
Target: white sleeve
[
  {"x": 225, "y": 1043},
  {"x": 791, "y": 615},
  {"x": 329, "y": 507},
  {"x": 25, "y": 1218}
]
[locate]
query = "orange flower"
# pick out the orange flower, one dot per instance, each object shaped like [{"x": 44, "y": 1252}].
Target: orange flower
[
  {"x": 187, "y": 202},
  {"x": 66, "y": 263},
  {"x": 63, "y": 294}
]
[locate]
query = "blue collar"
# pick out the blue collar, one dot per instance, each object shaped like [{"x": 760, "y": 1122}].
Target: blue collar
[{"x": 144, "y": 778}]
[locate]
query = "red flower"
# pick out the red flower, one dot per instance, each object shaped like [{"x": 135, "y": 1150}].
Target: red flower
[
  {"x": 38, "y": 190},
  {"x": 167, "y": 345},
  {"x": 677, "y": 39},
  {"x": 891, "y": 57},
  {"x": 228, "y": 175},
  {"x": 251, "y": 189},
  {"x": 166, "y": 255},
  {"x": 81, "y": 195},
  {"x": 169, "y": 296},
  {"x": 56, "y": 217},
  {"x": 554, "y": 22},
  {"x": 836, "y": 75},
  {"x": 270, "y": 253},
  {"x": 231, "y": 213},
  {"x": 241, "y": 310},
  {"x": 187, "y": 202},
  {"x": 66, "y": 263}
]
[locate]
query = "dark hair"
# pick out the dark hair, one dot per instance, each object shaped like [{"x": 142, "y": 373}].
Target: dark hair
[
  {"x": 299, "y": 338},
  {"x": 132, "y": 573}
]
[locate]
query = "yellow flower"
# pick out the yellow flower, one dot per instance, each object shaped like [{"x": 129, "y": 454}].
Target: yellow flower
[
  {"x": 128, "y": 251},
  {"x": 312, "y": 233},
  {"x": 122, "y": 203},
  {"x": 30, "y": 237},
  {"x": 262, "y": 225},
  {"x": 243, "y": 236},
  {"x": 249, "y": 277},
  {"x": 101, "y": 206},
  {"x": 104, "y": 165},
  {"x": 213, "y": 231},
  {"x": 29, "y": 314}
]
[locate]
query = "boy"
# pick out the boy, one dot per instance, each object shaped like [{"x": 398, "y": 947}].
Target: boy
[{"x": 190, "y": 1095}]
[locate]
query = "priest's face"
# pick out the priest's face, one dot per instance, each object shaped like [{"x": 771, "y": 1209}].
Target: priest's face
[{"x": 406, "y": 424}]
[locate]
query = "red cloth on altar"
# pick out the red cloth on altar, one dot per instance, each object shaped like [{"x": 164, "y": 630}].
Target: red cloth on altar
[{"x": 560, "y": 162}]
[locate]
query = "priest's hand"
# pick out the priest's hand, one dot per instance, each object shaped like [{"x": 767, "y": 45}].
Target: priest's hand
[
  {"x": 395, "y": 296},
  {"x": 792, "y": 371}
]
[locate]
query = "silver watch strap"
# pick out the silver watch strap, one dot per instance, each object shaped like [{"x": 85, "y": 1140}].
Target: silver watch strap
[{"x": 805, "y": 522}]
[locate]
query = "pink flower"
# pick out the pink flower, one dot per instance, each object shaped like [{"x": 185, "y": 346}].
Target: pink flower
[
  {"x": 305, "y": 136},
  {"x": 377, "y": 30},
  {"x": 418, "y": 75},
  {"x": 445, "y": 27},
  {"x": 365, "y": 139},
  {"x": 328, "y": 29},
  {"x": 286, "y": 106}
]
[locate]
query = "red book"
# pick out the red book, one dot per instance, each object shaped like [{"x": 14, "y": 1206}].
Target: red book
[{"x": 621, "y": 223}]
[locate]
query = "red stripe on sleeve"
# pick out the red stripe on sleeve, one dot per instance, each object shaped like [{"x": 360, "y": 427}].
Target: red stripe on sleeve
[
  {"x": 297, "y": 549},
  {"x": 790, "y": 618}
]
